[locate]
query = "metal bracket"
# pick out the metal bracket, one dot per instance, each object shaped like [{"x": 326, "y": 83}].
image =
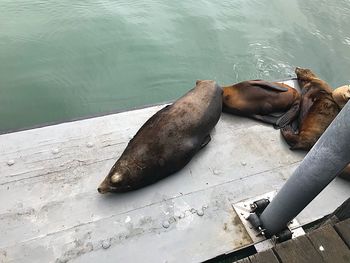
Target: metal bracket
[{"x": 249, "y": 211}]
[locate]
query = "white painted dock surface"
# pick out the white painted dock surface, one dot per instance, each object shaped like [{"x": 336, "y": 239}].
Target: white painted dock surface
[{"x": 50, "y": 210}]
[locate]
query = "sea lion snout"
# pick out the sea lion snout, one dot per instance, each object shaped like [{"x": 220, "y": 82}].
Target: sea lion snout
[
  {"x": 103, "y": 188},
  {"x": 107, "y": 186},
  {"x": 111, "y": 183},
  {"x": 304, "y": 73}
]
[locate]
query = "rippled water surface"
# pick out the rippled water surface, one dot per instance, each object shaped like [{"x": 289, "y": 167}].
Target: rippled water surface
[{"x": 63, "y": 59}]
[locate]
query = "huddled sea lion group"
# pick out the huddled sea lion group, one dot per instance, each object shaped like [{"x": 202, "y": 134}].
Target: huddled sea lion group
[{"x": 172, "y": 136}]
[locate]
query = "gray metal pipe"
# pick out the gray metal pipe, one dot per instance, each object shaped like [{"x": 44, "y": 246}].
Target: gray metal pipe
[{"x": 326, "y": 159}]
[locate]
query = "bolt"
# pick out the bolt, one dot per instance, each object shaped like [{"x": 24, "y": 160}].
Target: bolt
[{"x": 243, "y": 163}]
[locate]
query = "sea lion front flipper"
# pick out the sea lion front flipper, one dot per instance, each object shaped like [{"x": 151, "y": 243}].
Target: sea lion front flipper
[
  {"x": 306, "y": 103},
  {"x": 289, "y": 116},
  {"x": 265, "y": 118},
  {"x": 267, "y": 85},
  {"x": 206, "y": 140},
  {"x": 288, "y": 134}
]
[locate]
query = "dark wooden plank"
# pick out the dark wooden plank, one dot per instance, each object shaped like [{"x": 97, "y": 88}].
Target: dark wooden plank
[
  {"x": 329, "y": 245},
  {"x": 264, "y": 257},
  {"x": 343, "y": 229},
  {"x": 299, "y": 250}
]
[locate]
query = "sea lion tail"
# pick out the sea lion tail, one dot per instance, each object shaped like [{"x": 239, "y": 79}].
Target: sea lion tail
[{"x": 267, "y": 85}]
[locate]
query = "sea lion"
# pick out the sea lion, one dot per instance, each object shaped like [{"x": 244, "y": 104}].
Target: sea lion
[
  {"x": 341, "y": 95},
  {"x": 319, "y": 106},
  {"x": 168, "y": 140},
  {"x": 317, "y": 111},
  {"x": 259, "y": 99}
]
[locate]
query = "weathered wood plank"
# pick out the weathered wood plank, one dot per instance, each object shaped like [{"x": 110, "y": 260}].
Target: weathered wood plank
[
  {"x": 186, "y": 235},
  {"x": 264, "y": 257},
  {"x": 329, "y": 245},
  {"x": 299, "y": 250},
  {"x": 343, "y": 229},
  {"x": 224, "y": 236}
]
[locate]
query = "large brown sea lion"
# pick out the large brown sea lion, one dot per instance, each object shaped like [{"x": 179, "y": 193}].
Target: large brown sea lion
[
  {"x": 317, "y": 111},
  {"x": 260, "y": 99},
  {"x": 168, "y": 140},
  {"x": 319, "y": 106}
]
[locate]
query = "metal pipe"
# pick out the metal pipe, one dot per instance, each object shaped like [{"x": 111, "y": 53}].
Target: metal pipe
[{"x": 326, "y": 159}]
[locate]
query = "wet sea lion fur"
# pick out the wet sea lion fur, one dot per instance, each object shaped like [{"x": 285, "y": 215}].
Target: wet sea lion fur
[
  {"x": 260, "y": 100},
  {"x": 168, "y": 140}
]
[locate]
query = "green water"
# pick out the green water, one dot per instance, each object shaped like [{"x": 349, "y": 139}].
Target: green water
[{"x": 63, "y": 59}]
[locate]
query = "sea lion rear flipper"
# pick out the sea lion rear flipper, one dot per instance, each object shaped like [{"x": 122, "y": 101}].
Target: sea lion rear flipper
[
  {"x": 289, "y": 116},
  {"x": 266, "y": 118},
  {"x": 267, "y": 85},
  {"x": 206, "y": 140}
]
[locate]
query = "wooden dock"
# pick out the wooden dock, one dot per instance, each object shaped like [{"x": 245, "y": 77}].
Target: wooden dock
[
  {"x": 50, "y": 210},
  {"x": 328, "y": 244}
]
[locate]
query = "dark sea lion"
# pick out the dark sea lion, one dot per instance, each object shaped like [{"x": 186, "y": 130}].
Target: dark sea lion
[
  {"x": 319, "y": 107},
  {"x": 317, "y": 111},
  {"x": 168, "y": 140},
  {"x": 260, "y": 99}
]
